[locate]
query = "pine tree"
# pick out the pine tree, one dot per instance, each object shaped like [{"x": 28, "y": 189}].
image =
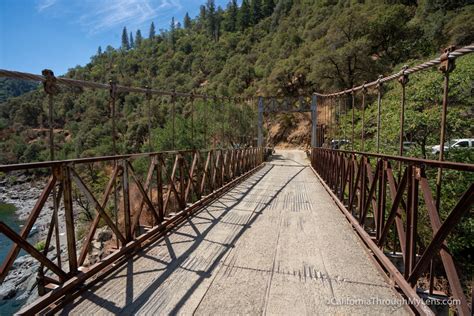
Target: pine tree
[
  {"x": 132, "y": 42},
  {"x": 172, "y": 33},
  {"x": 268, "y": 7},
  {"x": 256, "y": 11},
  {"x": 187, "y": 21},
  {"x": 231, "y": 19},
  {"x": 245, "y": 15},
  {"x": 219, "y": 19},
  {"x": 202, "y": 13},
  {"x": 138, "y": 38},
  {"x": 125, "y": 42},
  {"x": 202, "y": 17},
  {"x": 152, "y": 31},
  {"x": 99, "y": 51},
  {"x": 211, "y": 18}
]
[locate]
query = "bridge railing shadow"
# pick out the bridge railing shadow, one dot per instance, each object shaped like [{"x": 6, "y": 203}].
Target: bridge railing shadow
[{"x": 172, "y": 262}]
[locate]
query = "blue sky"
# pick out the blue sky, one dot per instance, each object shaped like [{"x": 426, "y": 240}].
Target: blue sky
[{"x": 60, "y": 34}]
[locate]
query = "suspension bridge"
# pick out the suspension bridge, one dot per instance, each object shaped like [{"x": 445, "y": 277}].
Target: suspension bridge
[{"x": 243, "y": 230}]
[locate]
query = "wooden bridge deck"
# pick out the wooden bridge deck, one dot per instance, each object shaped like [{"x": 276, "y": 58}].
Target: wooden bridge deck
[{"x": 275, "y": 244}]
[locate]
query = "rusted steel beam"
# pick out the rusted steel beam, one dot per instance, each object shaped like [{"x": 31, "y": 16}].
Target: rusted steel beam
[
  {"x": 159, "y": 188},
  {"x": 69, "y": 218},
  {"x": 146, "y": 188},
  {"x": 206, "y": 173},
  {"x": 22, "y": 243},
  {"x": 405, "y": 287},
  {"x": 98, "y": 207},
  {"x": 95, "y": 222},
  {"x": 410, "y": 160},
  {"x": 59, "y": 296},
  {"x": 182, "y": 185},
  {"x": 398, "y": 220},
  {"x": 446, "y": 257},
  {"x": 58, "y": 163},
  {"x": 171, "y": 184},
  {"x": 463, "y": 206},
  {"x": 415, "y": 178},
  {"x": 381, "y": 198},
  {"x": 191, "y": 174},
  {"x": 53, "y": 227},
  {"x": 15, "y": 249},
  {"x": 394, "y": 210},
  {"x": 373, "y": 181}
]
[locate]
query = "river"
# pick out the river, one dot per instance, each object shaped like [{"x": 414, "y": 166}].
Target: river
[{"x": 8, "y": 216}]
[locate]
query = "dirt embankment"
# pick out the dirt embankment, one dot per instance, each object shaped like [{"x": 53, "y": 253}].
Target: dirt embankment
[{"x": 289, "y": 130}]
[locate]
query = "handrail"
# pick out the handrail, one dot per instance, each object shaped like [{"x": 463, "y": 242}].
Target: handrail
[
  {"x": 366, "y": 189},
  {"x": 105, "y": 86},
  {"x": 53, "y": 163},
  {"x": 461, "y": 166},
  {"x": 177, "y": 183}
]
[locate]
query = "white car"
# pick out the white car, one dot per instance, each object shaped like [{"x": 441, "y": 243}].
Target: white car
[{"x": 454, "y": 143}]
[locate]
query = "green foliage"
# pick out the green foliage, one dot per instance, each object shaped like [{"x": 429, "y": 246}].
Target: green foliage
[
  {"x": 264, "y": 47},
  {"x": 138, "y": 38},
  {"x": 245, "y": 15},
  {"x": 14, "y": 87},
  {"x": 152, "y": 32},
  {"x": 40, "y": 245},
  {"x": 125, "y": 41}
]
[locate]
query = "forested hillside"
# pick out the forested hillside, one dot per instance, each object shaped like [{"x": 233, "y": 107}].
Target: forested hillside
[
  {"x": 13, "y": 88},
  {"x": 259, "y": 47}
]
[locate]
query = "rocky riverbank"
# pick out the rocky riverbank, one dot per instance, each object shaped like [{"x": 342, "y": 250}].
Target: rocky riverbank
[
  {"x": 23, "y": 191},
  {"x": 20, "y": 286}
]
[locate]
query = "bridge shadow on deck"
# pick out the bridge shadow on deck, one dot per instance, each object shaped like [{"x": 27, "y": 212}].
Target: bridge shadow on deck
[{"x": 175, "y": 262}]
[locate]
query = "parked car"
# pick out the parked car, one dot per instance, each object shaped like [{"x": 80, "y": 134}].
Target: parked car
[
  {"x": 338, "y": 143},
  {"x": 454, "y": 143}
]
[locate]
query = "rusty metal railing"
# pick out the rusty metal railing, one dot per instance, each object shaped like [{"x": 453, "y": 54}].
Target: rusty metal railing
[
  {"x": 174, "y": 185},
  {"x": 378, "y": 205},
  {"x": 393, "y": 200}
]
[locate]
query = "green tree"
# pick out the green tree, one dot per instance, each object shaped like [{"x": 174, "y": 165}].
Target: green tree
[
  {"x": 256, "y": 11},
  {"x": 132, "y": 42},
  {"x": 230, "y": 22},
  {"x": 152, "y": 32},
  {"x": 268, "y": 7},
  {"x": 125, "y": 42},
  {"x": 343, "y": 55},
  {"x": 390, "y": 33},
  {"x": 138, "y": 38},
  {"x": 211, "y": 19},
  {"x": 172, "y": 33},
  {"x": 187, "y": 22},
  {"x": 99, "y": 51},
  {"x": 245, "y": 15}
]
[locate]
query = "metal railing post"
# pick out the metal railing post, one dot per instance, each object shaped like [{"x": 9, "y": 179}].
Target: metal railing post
[
  {"x": 314, "y": 121},
  {"x": 379, "y": 104},
  {"x": 260, "y": 122}
]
